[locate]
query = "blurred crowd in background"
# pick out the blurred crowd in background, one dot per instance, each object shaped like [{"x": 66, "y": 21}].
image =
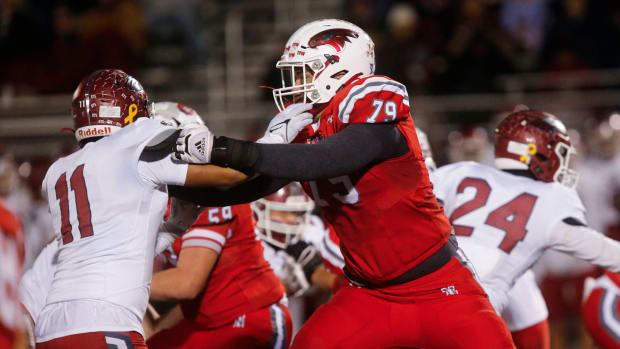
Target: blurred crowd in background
[{"x": 435, "y": 47}]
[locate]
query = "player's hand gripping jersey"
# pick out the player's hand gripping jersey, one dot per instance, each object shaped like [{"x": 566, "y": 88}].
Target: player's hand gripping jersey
[
  {"x": 505, "y": 222},
  {"x": 241, "y": 281},
  {"x": 395, "y": 193},
  {"x": 107, "y": 203}
]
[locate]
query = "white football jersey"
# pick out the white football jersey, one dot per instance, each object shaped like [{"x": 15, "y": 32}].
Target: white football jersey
[
  {"x": 107, "y": 203},
  {"x": 503, "y": 222},
  {"x": 313, "y": 234},
  {"x": 37, "y": 280}
]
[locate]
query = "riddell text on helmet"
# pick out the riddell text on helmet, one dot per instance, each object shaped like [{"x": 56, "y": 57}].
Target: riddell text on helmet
[{"x": 89, "y": 132}]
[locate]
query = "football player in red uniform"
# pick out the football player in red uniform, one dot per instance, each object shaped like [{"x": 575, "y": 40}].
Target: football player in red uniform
[
  {"x": 361, "y": 162},
  {"x": 229, "y": 296}
]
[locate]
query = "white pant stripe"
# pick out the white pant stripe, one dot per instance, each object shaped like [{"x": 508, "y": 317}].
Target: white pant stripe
[
  {"x": 608, "y": 314},
  {"x": 278, "y": 324},
  {"x": 116, "y": 342}
]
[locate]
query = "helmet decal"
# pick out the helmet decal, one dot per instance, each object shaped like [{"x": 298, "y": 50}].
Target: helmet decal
[
  {"x": 133, "y": 111},
  {"x": 334, "y": 37}
]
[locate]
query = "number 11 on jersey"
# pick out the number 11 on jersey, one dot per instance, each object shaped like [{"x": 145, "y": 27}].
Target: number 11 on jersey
[{"x": 82, "y": 205}]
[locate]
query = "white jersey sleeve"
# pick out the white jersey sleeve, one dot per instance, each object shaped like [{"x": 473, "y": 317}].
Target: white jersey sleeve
[
  {"x": 36, "y": 282},
  {"x": 166, "y": 170},
  {"x": 587, "y": 244}
]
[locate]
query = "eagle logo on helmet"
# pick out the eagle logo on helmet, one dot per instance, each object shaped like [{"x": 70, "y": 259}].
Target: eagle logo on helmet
[{"x": 334, "y": 37}]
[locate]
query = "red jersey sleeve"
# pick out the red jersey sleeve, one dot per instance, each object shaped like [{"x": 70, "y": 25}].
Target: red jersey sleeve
[
  {"x": 376, "y": 99},
  {"x": 211, "y": 229}
]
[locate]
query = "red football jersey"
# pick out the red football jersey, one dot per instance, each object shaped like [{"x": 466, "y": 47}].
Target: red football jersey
[
  {"x": 11, "y": 261},
  {"x": 386, "y": 215},
  {"x": 241, "y": 281}
]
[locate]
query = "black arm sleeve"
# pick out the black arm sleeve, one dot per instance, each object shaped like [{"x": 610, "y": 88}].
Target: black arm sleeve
[
  {"x": 355, "y": 147},
  {"x": 251, "y": 190}
]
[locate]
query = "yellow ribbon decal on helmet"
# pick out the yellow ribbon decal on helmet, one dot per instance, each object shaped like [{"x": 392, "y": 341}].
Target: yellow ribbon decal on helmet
[
  {"x": 531, "y": 150},
  {"x": 133, "y": 111}
]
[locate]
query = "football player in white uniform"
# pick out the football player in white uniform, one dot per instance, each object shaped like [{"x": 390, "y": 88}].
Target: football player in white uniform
[
  {"x": 506, "y": 217},
  {"x": 297, "y": 245},
  {"x": 107, "y": 201},
  {"x": 37, "y": 280},
  {"x": 283, "y": 219}
]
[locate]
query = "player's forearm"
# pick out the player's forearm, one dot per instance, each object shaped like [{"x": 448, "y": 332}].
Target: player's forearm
[
  {"x": 212, "y": 176},
  {"x": 251, "y": 190},
  {"x": 173, "y": 285},
  {"x": 587, "y": 244},
  {"x": 170, "y": 319},
  {"x": 323, "y": 279},
  {"x": 350, "y": 150}
]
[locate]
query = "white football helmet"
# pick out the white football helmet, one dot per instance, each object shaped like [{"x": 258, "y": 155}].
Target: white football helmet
[
  {"x": 177, "y": 113},
  {"x": 332, "y": 51},
  {"x": 275, "y": 231}
]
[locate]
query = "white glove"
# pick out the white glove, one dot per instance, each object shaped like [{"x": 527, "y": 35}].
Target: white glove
[
  {"x": 194, "y": 144},
  {"x": 183, "y": 214},
  {"x": 164, "y": 240},
  {"x": 293, "y": 277},
  {"x": 285, "y": 126}
]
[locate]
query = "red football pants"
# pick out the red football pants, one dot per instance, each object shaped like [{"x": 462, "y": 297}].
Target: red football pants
[
  {"x": 445, "y": 309},
  {"x": 533, "y": 337},
  {"x": 601, "y": 316},
  {"x": 270, "y": 327},
  {"x": 96, "y": 340}
]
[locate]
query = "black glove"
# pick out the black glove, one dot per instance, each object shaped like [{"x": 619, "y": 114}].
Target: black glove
[{"x": 306, "y": 255}]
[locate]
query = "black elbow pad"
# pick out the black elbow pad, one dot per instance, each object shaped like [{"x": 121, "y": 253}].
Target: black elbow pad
[
  {"x": 574, "y": 222},
  {"x": 233, "y": 153}
]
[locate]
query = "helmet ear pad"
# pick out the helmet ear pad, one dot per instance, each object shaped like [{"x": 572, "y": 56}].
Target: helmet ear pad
[
  {"x": 536, "y": 141},
  {"x": 106, "y": 101},
  {"x": 333, "y": 50}
]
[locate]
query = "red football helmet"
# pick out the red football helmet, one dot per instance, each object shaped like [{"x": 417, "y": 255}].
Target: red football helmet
[
  {"x": 106, "y": 101},
  {"x": 536, "y": 141},
  {"x": 273, "y": 215}
]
